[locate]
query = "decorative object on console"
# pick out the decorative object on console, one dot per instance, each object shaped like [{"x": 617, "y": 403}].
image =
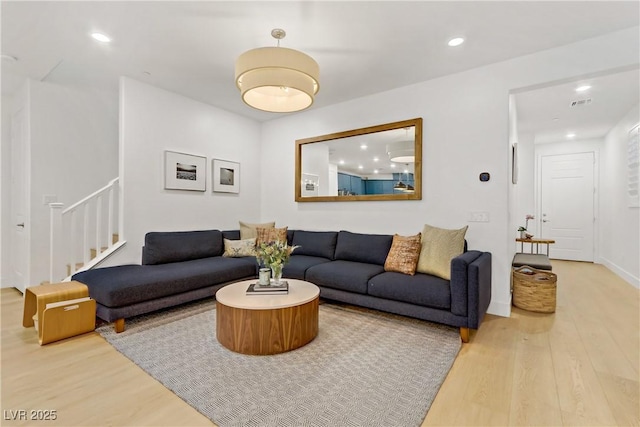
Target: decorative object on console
[
  {"x": 522, "y": 230},
  {"x": 184, "y": 171},
  {"x": 439, "y": 247},
  {"x": 277, "y": 79},
  {"x": 249, "y": 230},
  {"x": 274, "y": 254},
  {"x": 226, "y": 176},
  {"x": 239, "y": 248},
  {"x": 404, "y": 253}
]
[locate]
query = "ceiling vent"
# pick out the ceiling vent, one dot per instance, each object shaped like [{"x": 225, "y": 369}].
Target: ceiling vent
[{"x": 581, "y": 102}]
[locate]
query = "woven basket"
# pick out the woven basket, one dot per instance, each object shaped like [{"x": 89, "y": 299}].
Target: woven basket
[{"x": 534, "y": 290}]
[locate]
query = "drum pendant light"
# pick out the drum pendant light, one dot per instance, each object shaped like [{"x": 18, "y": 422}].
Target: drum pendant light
[{"x": 277, "y": 79}]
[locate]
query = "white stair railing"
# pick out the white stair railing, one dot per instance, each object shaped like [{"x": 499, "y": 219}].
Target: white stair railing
[{"x": 90, "y": 224}]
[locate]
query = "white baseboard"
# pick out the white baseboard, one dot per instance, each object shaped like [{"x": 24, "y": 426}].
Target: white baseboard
[
  {"x": 500, "y": 308},
  {"x": 633, "y": 280}
]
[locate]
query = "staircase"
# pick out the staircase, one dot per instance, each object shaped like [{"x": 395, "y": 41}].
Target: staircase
[{"x": 84, "y": 234}]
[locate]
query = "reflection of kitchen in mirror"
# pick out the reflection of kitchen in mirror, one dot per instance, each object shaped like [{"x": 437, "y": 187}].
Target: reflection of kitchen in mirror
[
  {"x": 375, "y": 164},
  {"x": 378, "y": 163}
]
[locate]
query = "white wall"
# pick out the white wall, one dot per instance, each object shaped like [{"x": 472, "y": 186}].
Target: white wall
[
  {"x": 73, "y": 152},
  {"x": 466, "y": 131},
  {"x": 5, "y": 190},
  {"x": 620, "y": 232},
  {"x": 153, "y": 120}
]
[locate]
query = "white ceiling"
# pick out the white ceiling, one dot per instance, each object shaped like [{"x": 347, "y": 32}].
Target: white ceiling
[
  {"x": 362, "y": 47},
  {"x": 547, "y": 114}
]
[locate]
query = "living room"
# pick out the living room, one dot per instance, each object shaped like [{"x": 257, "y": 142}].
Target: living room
[{"x": 466, "y": 132}]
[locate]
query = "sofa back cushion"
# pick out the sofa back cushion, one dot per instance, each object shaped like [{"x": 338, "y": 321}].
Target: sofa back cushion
[
  {"x": 315, "y": 243},
  {"x": 174, "y": 246},
  {"x": 369, "y": 248}
]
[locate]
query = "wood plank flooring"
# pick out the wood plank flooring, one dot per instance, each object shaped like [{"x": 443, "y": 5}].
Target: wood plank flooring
[{"x": 578, "y": 366}]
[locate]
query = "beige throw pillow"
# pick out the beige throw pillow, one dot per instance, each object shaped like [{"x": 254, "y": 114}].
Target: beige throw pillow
[
  {"x": 403, "y": 255},
  {"x": 272, "y": 234},
  {"x": 439, "y": 247},
  {"x": 239, "y": 248},
  {"x": 248, "y": 231}
]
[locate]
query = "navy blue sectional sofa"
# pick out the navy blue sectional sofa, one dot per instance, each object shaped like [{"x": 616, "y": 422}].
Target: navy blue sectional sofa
[{"x": 178, "y": 267}]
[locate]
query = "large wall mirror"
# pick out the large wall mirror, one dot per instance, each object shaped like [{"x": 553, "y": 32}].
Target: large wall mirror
[{"x": 381, "y": 162}]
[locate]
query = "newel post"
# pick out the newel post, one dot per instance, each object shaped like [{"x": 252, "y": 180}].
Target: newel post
[{"x": 56, "y": 250}]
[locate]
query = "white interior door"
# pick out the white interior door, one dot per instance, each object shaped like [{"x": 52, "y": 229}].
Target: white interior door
[
  {"x": 19, "y": 202},
  {"x": 567, "y": 205}
]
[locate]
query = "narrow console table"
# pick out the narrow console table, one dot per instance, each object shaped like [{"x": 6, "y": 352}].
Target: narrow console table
[
  {"x": 535, "y": 241},
  {"x": 533, "y": 259}
]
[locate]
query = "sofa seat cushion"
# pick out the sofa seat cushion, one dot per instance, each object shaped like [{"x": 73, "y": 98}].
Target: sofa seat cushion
[
  {"x": 348, "y": 276},
  {"x": 299, "y": 264},
  {"x": 420, "y": 289},
  {"x": 129, "y": 284}
]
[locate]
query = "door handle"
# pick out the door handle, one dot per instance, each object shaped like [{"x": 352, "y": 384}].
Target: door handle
[
  {"x": 20, "y": 225},
  {"x": 546, "y": 220}
]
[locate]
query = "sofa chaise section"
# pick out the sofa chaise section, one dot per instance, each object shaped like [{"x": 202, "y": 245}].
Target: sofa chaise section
[{"x": 178, "y": 267}]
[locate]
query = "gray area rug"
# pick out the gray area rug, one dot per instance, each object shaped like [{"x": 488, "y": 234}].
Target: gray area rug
[{"x": 365, "y": 368}]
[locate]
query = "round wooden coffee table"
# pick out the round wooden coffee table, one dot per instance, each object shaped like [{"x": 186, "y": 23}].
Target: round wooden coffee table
[{"x": 266, "y": 324}]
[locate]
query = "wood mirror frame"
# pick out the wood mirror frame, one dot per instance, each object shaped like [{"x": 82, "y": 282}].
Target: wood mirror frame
[{"x": 349, "y": 136}]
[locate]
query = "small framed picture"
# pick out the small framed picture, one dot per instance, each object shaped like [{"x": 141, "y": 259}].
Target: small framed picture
[
  {"x": 310, "y": 183},
  {"x": 184, "y": 171},
  {"x": 225, "y": 176}
]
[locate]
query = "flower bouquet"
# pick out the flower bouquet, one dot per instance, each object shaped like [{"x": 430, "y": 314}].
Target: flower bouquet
[{"x": 274, "y": 255}]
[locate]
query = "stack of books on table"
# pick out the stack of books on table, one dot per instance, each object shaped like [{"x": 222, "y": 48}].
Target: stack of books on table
[{"x": 257, "y": 289}]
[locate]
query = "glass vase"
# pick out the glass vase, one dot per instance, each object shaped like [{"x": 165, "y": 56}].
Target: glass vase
[{"x": 276, "y": 273}]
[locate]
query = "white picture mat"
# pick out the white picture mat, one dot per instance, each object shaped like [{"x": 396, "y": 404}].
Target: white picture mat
[
  {"x": 184, "y": 171},
  {"x": 225, "y": 176}
]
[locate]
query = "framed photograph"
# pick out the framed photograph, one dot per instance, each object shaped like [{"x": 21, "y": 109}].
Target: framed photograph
[
  {"x": 184, "y": 171},
  {"x": 225, "y": 176},
  {"x": 310, "y": 184}
]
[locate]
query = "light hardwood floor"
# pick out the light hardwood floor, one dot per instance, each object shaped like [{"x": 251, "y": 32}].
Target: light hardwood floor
[{"x": 578, "y": 366}]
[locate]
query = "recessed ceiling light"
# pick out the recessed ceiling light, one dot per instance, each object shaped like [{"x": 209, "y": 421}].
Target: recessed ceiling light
[
  {"x": 375, "y": 159},
  {"x": 457, "y": 41},
  {"x": 360, "y": 167},
  {"x": 393, "y": 165},
  {"x": 341, "y": 162},
  {"x": 375, "y": 171},
  {"x": 583, "y": 88},
  {"x": 571, "y": 135},
  {"x": 363, "y": 147},
  {"x": 101, "y": 37}
]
